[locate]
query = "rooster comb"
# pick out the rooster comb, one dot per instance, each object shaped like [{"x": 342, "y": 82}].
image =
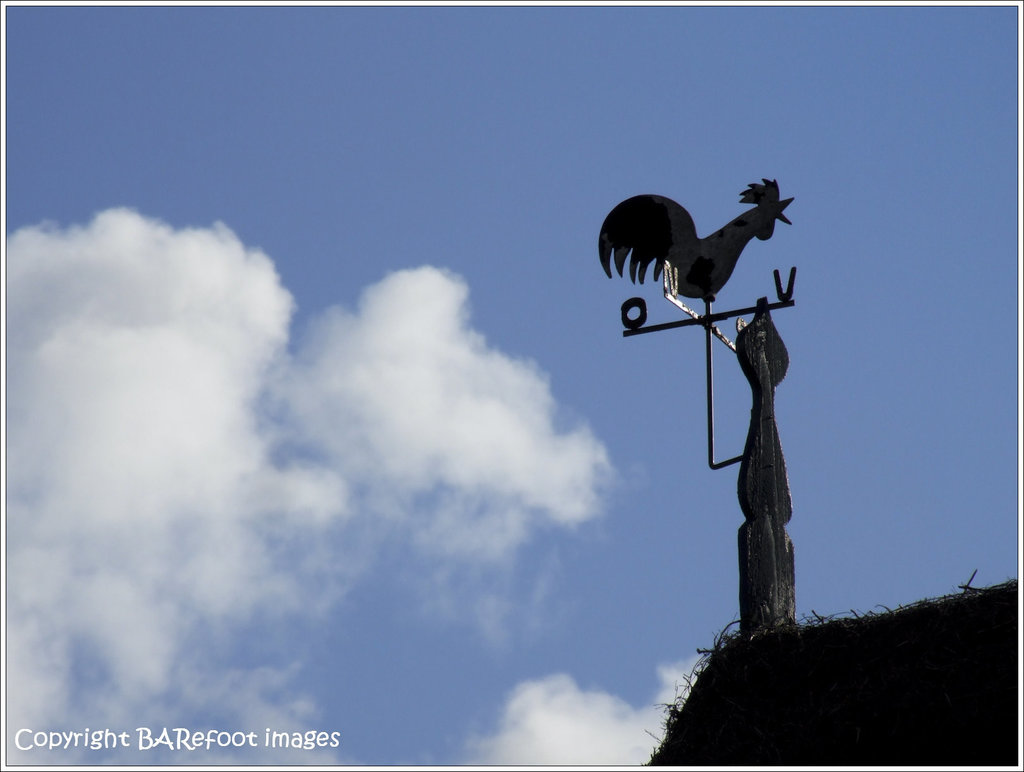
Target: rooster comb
[{"x": 756, "y": 191}]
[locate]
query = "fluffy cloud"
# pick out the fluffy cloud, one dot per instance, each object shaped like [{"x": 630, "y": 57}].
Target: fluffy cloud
[
  {"x": 136, "y": 358},
  {"x": 174, "y": 471},
  {"x": 413, "y": 402},
  {"x": 552, "y": 721}
]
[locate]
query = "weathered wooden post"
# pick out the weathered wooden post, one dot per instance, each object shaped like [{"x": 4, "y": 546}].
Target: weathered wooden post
[{"x": 767, "y": 576}]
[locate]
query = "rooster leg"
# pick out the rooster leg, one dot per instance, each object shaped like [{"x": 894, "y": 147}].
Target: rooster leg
[{"x": 669, "y": 280}]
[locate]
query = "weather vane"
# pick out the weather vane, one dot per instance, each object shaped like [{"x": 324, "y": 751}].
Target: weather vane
[{"x": 653, "y": 229}]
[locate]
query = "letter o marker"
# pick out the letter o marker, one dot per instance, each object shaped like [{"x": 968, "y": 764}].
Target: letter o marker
[{"x": 641, "y": 306}]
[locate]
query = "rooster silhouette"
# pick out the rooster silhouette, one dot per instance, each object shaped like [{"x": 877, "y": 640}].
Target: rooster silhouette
[{"x": 655, "y": 229}]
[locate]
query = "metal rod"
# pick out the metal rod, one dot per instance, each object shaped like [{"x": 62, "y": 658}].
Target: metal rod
[
  {"x": 707, "y": 322},
  {"x": 711, "y": 393},
  {"x": 704, "y": 320}
]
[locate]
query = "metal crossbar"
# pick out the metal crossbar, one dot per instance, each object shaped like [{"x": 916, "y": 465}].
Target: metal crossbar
[{"x": 706, "y": 321}]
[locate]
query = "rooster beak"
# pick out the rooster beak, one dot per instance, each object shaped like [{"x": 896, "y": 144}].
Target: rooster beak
[{"x": 780, "y": 215}]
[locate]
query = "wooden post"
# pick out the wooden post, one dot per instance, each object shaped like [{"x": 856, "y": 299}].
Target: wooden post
[{"x": 767, "y": 581}]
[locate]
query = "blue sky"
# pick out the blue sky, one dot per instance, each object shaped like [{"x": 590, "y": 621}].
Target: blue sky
[{"x": 318, "y": 411}]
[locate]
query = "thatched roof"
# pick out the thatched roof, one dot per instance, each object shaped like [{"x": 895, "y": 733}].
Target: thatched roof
[{"x": 934, "y": 683}]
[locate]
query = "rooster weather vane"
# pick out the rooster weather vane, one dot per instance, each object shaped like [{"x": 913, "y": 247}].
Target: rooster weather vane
[{"x": 650, "y": 229}]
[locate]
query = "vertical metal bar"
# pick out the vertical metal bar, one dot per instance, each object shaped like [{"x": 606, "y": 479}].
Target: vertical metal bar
[
  {"x": 711, "y": 394},
  {"x": 710, "y": 385}
]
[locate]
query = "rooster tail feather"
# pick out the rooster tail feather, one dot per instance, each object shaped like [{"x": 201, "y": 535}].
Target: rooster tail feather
[
  {"x": 611, "y": 252},
  {"x": 604, "y": 248},
  {"x": 621, "y": 252}
]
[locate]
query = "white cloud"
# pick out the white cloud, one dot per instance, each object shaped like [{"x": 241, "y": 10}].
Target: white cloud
[
  {"x": 173, "y": 471},
  {"x": 552, "y": 721},
  {"x": 410, "y": 399},
  {"x": 136, "y": 357}
]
